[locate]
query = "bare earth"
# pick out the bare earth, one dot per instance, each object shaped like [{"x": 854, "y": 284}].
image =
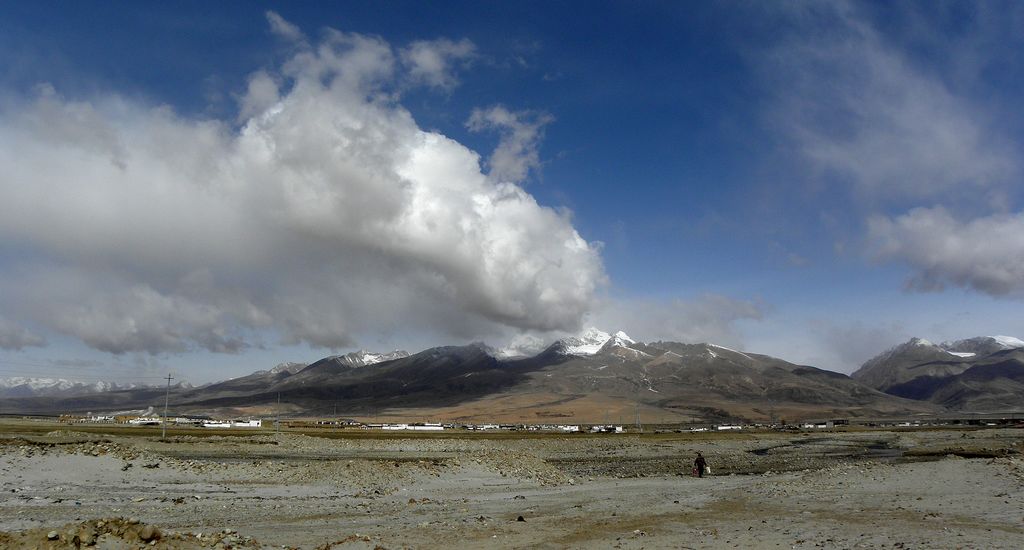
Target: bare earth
[{"x": 856, "y": 489}]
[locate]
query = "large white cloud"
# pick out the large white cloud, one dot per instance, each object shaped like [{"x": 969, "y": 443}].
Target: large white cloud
[{"x": 328, "y": 214}]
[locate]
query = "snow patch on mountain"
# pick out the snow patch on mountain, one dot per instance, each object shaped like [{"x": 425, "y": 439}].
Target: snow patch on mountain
[
  {"x": 1009, "y": 341},
  {"x": 289, "y": 367},
  {"x": 962, "y": 353},
  {"x": 982, "y": 345},
  {"x": 730, "y": 349},
  {"x": 36, "y": 384},
  {"x": 621, "y": 339},
  {"x": 364, "y": 358}
]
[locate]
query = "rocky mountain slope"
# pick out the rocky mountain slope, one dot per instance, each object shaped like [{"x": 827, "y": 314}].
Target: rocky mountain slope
[
  {"x": 692, "y": 381},
  {"x": 979, "y": 374}
]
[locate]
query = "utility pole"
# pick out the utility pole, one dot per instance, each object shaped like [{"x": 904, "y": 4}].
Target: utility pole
[{"x": 167, "y": 397}]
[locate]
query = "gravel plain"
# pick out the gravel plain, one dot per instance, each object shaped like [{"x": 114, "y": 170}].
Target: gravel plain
[{"x": 924, "y": 488}]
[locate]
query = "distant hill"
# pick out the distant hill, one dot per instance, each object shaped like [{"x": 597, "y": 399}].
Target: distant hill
[{"x": 982, "y": 374}]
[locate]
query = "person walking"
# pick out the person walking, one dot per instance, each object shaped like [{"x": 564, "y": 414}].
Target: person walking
[{"x": 700, "y": 465}]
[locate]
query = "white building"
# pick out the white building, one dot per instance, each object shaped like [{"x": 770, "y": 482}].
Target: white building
[{"x": 421, "y": 427}]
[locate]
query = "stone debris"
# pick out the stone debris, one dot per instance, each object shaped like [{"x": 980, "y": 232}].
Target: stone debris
[{"x": 121, "y": 533}]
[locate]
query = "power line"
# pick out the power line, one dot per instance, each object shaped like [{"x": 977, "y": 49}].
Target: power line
[
  {"x": 50, "y": 370},
  {"x": 5, "y": 365},
  {"x": 44, "y": 374}
]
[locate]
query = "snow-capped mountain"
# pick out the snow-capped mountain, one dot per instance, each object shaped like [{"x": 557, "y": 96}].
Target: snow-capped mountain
[
  {"x": 620, "y": 339},
  {"x": 919, "y": 348},
  {"x": 975, "y": 373},
  {"x": 589, "y": 342},
  {"x": 981, "y": 345},
  {"x": 20, "y": 386}
]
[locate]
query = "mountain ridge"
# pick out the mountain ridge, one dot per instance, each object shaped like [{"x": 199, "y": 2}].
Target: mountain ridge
[{"x": 577, "y": 377}]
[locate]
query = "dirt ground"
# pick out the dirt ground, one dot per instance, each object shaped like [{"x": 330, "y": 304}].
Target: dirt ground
[{"x": 842, "y": 489}]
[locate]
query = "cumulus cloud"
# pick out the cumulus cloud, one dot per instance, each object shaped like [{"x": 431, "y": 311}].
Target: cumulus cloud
[
  {"x": 15, "y": 338},
  {"x": 856, "y": 106},
  {"x": 261, "y": 94},
  {"x": 517, "y": 151},
  {"x": 985, "y": 253},
  {"x": 431, "y": 62},
  {"x": 327, "y": 215}
]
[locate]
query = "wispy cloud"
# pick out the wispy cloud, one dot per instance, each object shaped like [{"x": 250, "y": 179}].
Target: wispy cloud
[
  {"x": 709, "y": 318},
  {"x": 517, "y": 151},
  {"x": 859, "y": 109},
  {"x": 15, "y": 338},
  {"x": 433, "y": 62},
  {"x": 925, "y": 152},
  {"x": 283, "y": 28}
]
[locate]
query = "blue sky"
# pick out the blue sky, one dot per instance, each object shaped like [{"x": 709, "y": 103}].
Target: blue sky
[{"x": 213, "y": 188}]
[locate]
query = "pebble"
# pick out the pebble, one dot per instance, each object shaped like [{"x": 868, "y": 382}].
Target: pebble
[{"x": 149, "y": 533}]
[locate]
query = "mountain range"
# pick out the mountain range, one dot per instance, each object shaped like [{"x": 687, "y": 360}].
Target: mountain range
[
  {"x": 592, "y": 377},
  {"x": 21, "y": 386},
  {"x": 982, "y": 374}
]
